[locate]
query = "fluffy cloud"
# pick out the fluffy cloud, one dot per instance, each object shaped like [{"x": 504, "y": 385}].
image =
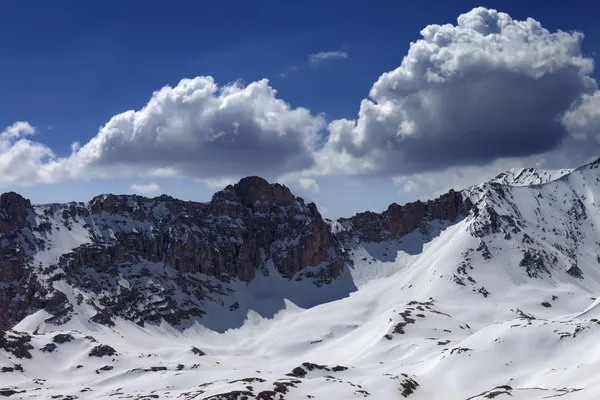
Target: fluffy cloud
[
  {"x": 17, "y": 130},
  {"x": 309, "y": 184},
  {"x": 23, "y": 161},
  {"x": 199, "y": 130},
  {"x": 300, "y": 183},
  {"x": 584, "y": 121},
  {"x": 487, "y": 88},
  {"x": 150, "y": 188},
  {"x": 196, "y": 130},
  {"x": 317, "y": 58},
  {"x": 219, "y": 183}
]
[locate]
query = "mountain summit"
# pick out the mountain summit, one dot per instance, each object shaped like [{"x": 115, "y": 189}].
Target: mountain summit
[{"x": 484, "y": 292}]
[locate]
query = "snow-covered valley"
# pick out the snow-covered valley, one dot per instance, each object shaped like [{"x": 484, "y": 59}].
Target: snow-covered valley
[{"x": 497, "y": 302}]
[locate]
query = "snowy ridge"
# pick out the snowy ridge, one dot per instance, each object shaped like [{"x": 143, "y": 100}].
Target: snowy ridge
[
  {"x": 494, "y": 300},
  {"x": 529, "y": 176}
]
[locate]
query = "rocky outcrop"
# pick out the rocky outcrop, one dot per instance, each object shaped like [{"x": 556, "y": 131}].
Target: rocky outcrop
[
  {"x": 243, "y": 226},
  {"x": 243, "y": 230},
  {"x": 399, "y": 220},
  {"x": 14, "y": 210},
  {"x": 254, "y": 189}
]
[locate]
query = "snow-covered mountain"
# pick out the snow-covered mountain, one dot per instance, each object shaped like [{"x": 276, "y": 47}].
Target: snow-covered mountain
[
  {"x": 488, "y": 292},
  {"x": 529, "y": 176}
]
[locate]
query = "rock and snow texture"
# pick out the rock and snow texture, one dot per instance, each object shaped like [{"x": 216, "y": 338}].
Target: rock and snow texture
[
  {"x": 489, "y": 292},
  {"x": 529, "y": 176}
]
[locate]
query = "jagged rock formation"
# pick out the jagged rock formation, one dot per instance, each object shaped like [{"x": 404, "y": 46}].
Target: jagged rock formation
[
  {"x": 398, "y": 220},
  {"x": 236, "y": 234}
]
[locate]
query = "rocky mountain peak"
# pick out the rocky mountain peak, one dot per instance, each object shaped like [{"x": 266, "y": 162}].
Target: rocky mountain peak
[
  {"x": 399, "y": 220},
  {"x": 16, "y": 208},
  {"x": 252, "y": 189},
  {"x": 248, "y": 229}
]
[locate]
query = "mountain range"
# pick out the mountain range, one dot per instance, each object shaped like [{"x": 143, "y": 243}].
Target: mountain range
[{"x": 487, "y": 292}]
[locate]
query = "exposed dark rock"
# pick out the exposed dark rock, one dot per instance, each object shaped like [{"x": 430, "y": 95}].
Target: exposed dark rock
[
  {"x": 105, "y": 368},
  {"x": 266, "y": 395},
  {"x": 15, "y": 209},
  {"x": 233, "y": 395},
  {"x": 197, "y": 351},
  {"x": 460, "y": 350},
  {"x": 534, "y": 264},
  {"x": 399, "y": 220},
  {"x": 9, "y": 392},
  {"x": 16, "y": 343},
  {"x": 284, "y": 386},
  {"x": 62, "y": 338},
  {"x": 249, "y": 380},
  {"x": 103, "y": 317},
  {"x": 339, "y": 368},
  {"x": 49, "y": 348},
  {"x": 298, "y": 372},
  {"x": 102, "y": 350},
  {"x": 575, "y": 271},
  {"x": 151, "y": 369},
  {"x": 407, "y": 384}
]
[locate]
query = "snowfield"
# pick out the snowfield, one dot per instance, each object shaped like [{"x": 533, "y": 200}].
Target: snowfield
[{"x": 499, "y": 304}]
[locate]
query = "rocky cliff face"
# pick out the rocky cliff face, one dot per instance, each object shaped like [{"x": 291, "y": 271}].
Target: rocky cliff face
[
  {"x": 147, "y": 259},
  {"x": 398, "y": 220}
]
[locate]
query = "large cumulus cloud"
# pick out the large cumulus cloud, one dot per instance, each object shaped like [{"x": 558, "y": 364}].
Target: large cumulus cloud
[
  {"x": 466, "y": 94},
  {"x": 199, "y": 130}
]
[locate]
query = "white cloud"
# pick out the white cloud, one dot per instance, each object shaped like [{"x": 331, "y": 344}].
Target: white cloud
[
  {"x": 317, "y": 58},
  {"x": 300, "y": 182},
  {"x": 22, "y": 161},
  {"x": 196, "y": 130},
  {"x": 219, "y": 183},
  {"x": 150, "y": 188},
  {"x": 201, "y": 131},
  {"x": 487, "y": 88},
  {"x": 17, "y": 130},
  {"x": 584, "y": 121},
  {"x": 309, "y": 184}
]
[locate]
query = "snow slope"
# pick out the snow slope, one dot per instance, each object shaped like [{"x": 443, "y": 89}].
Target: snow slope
[{"x": 499, "y": 304}]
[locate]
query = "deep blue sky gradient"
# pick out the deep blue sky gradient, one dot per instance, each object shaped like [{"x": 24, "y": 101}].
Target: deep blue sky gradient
[{"x": 71, "y": 65}]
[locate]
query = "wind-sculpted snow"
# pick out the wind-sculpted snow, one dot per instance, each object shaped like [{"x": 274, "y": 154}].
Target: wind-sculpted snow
[{"x": 491, "y": 293}]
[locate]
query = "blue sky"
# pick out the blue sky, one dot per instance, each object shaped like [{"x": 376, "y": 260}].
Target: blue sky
[{"x": 69, "y": 66}]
